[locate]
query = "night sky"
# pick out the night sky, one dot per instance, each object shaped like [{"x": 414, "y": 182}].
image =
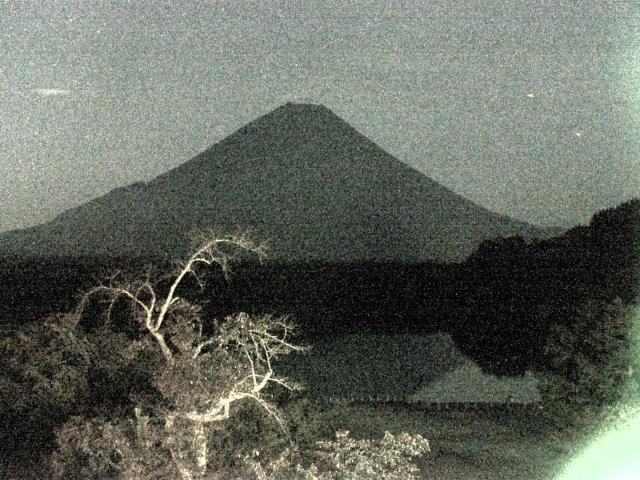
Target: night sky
[{"x": 529, "y": 108}]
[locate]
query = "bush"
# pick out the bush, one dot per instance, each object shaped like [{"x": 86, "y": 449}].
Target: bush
[
  {"x": 102, "y": 448},
  {"x": 195, "y": 378},
  {"x": 191, "y": 400},
  {"x": 312, "y": 419},
  {"x": 385, "y": 459},
  {"x": 346, "y": 458},
  {"x": 589, "y": 361},
  {"x": 43, "y": 371},
  {"x": 99, "y": 448}
]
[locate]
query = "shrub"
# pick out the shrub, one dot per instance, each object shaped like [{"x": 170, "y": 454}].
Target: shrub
[
  {"x": 43, "y": 370},
  {"x": 589, "y": 361},
  {"x": 346, "y": 458},
  {"x": 203, "y": 405},
  {"x": 98, "y": 448},
  {"x": 204, "y": 373},
  {"x": 311, "y": 419}
]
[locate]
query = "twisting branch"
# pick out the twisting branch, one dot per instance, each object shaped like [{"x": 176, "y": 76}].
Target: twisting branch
[
  {"x": 259, "y": 346},
  {"x": 247, "y": 344},
  {"x": 208, "y": 253},
  {"x": 253, "y": 367},
  {"x": 202, "y": 345}
]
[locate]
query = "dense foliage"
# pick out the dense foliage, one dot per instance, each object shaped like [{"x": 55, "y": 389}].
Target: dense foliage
[
  {"x": 173, "y": 395},
  {"x": 98, "y": 448},
  {"x": 43, "y": 368},
  {"x": 590, "y": 361}
]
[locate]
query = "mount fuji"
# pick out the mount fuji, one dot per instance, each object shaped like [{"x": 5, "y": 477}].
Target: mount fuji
[{"x": 301, "y": 179}]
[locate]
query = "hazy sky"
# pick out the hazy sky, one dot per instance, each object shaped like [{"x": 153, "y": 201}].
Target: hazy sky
[{"x": 529, "y": 108}]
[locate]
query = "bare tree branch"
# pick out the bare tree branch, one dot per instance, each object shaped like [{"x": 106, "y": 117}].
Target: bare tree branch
[
  {"x": 255, "y": 341},
  {"x": 208, "y": 253}
]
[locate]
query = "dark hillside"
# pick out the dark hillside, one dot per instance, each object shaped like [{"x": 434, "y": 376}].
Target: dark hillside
[{"x": 299, "y": 178}]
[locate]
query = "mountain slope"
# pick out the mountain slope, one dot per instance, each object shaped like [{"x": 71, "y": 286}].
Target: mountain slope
[{"x": 300, "y": 178}]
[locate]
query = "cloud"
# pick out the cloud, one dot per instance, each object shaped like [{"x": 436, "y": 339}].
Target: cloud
[{"x": 51, "y": 92}]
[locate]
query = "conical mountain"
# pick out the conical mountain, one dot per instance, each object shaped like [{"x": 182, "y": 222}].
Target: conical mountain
[{"x": 298, "y": 177}]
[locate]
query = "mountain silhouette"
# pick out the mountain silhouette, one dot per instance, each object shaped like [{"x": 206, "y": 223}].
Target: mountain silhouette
[{"x": 299, "y": 178}]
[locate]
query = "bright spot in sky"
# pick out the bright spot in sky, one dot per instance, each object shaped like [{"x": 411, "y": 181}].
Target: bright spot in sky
[
  {"x": 578, "y": 134},
  {"x": 530, "y": 95},
  {"x": 50, "y": 92}
]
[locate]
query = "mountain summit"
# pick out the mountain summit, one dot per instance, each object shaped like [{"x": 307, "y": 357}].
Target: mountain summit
[{"x": 300, "y": 178}]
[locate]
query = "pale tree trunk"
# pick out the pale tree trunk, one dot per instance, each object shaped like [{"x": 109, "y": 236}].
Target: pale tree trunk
[
  {"x": 200, "y": 447},
  {"x": 190, "y": 458},
  {"x": 180, "y": 457}
]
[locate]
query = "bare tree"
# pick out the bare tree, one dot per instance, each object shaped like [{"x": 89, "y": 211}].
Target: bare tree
[{"x": 202, "y": 375}]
